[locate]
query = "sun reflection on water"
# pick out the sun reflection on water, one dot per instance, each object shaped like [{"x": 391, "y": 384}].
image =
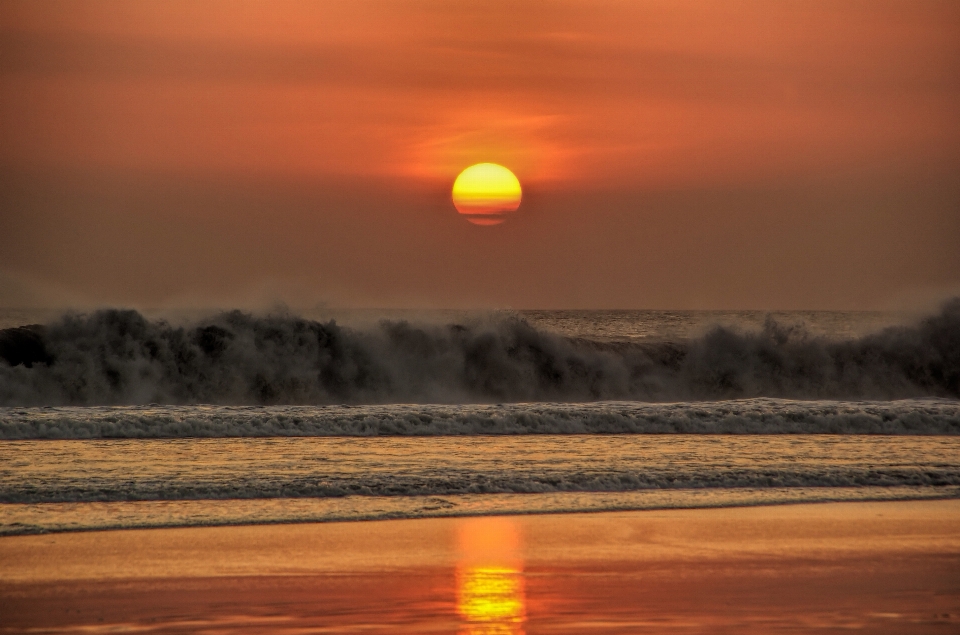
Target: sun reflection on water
[{"x": 491, "y": 597}]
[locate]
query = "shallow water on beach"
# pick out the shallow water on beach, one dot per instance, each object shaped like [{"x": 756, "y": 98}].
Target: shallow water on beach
[
  {"x": 90, "y": 484},
  {"x": 19, "y": 518}
]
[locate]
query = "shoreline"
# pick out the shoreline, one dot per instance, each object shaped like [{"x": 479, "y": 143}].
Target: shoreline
[
  {"x": 431, "y": 506},
  {"x": 844, "y": 564}
]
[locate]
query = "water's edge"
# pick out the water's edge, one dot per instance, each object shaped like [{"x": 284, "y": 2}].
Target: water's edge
[{"x": 18, "y": 519}]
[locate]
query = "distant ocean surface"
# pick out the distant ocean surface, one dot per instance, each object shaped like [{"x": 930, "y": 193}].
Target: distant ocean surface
[{"x": 118, "y": 419}]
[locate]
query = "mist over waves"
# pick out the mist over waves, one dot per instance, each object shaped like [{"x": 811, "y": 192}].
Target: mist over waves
[{"x": 120, "y": 357}]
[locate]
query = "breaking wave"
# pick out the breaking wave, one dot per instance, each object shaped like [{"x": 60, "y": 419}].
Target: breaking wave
[
  {"x": 120, "y": 357},
  {"x": 748, "y": 416}
]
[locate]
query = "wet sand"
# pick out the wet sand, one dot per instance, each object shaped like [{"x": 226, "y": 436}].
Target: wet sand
[{"x": 879, "y": 567}]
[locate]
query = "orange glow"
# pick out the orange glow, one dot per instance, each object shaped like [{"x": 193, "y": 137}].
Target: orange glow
[
  {"x": 638, "y": 93},
  {"x": 491, "y": 598},
  {"x": 485, "y": 192},
  {"x": 699, "y": 154}
]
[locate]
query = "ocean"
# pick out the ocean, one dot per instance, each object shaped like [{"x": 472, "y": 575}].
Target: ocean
[{"x": 118, "y": 419}]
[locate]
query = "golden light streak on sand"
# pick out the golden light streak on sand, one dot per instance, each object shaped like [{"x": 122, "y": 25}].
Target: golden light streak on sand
[
  {"x": 885, "y": 568},
  {"x": 491, "y": 600},
  {"x": 491, "y": 597}
]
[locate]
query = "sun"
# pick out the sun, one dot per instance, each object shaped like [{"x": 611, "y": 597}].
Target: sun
[{"x": 484, "y": 193}]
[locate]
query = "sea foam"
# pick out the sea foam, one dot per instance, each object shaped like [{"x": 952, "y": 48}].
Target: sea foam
[
  {"x": 747, "y": 416},
  {"x": 120, "y": 357}
]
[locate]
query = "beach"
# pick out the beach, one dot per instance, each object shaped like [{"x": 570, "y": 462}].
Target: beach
[
  {"x": 881, "y": 567},
  {"x": 479, "y": 318},
  {"x": 282, "y": 475}
]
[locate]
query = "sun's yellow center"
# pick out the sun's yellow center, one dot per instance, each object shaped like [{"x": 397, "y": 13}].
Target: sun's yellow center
[{"x": 485, "y": 192}]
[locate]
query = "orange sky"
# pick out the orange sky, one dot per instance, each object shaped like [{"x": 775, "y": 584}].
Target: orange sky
[{"x": 672, "y": 154}]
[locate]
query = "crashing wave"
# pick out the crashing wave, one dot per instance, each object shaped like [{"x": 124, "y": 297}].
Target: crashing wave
[{"x": 120, "y": 357}]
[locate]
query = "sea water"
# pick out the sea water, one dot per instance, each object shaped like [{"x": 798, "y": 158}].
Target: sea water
[
  {"x": 96, "y": 484},
  {"x": 113, "y": 419}
]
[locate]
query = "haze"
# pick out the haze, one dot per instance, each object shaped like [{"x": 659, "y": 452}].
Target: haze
[{"x": 771, "y": 155}]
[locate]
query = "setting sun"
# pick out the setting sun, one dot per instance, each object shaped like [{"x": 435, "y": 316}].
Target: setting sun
[{"x": 485, "y": 192}]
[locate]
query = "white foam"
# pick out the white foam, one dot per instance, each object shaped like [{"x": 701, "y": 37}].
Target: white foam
[{"x": 745, "y": 416}]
